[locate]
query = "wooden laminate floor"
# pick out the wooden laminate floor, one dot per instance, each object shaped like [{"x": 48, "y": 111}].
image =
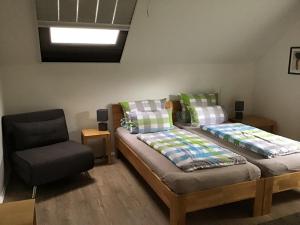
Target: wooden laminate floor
[{"x": 116, "y": 195}]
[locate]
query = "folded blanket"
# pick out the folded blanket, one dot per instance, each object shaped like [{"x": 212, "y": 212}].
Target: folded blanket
[
  {"x": 253, "y": 139},
  {"x": 190, "y": 152}
]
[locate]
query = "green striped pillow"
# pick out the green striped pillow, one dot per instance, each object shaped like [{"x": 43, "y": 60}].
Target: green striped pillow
[{"x": 202, "y": 99}]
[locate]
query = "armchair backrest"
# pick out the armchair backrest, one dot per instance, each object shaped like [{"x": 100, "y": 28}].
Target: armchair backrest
[{"x": 29, "y": 119}]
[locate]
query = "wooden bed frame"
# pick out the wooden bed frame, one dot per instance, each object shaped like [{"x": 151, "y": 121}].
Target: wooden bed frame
[
  {"x": 181, "y": 204},
  {"x": 276, "y": 184},
  {"x": 271, "y": 185}
]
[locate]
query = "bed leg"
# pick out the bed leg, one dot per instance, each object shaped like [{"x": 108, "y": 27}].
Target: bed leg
[
  {"x": 117, "y": 151},
  {"x": 118, "y": 154},
  {"x": 177, "y": 213},
  {"x": 259, "y": 198},
  {"x": 268, "y": 194}
]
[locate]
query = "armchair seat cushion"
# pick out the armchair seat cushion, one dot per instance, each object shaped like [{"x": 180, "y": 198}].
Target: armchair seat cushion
[{"x": 45, "y": 164}]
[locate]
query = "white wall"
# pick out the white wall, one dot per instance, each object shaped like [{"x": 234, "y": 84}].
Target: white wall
[
  {"x": 81, "y": 88},
  {"x": 277, "y": 93}
]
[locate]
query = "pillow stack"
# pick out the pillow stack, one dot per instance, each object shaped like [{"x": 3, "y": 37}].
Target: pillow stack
[
  {"x": 202, "y": 108},
  {"x": 146, "y": 116}
]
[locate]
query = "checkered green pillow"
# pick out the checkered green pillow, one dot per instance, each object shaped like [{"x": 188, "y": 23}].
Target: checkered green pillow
[
  {"x": 202, "y": 99},
  {"x": 149, "y": 122},
  {"x": 199, "y": 99},
  {"x": 143, "y": 106},
  {"x": 207, "y": 115}
]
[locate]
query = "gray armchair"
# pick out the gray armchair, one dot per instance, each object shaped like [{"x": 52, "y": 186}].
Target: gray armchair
[{"x": 38, "y": 148}]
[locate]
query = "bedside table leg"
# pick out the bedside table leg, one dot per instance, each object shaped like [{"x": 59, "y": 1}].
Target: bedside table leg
[
  {"x": 108, "y": 149},
  {"x": 83, "y": 140}
]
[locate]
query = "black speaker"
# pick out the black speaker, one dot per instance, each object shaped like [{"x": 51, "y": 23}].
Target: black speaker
[
  {"x": 102, "y": 118},
  {"x": 239, "y": 109},
  {"x": 102, "y": 126},
  {"x": 102, "y": 115},
  {"x": 239, "y": 115},
  {"x": 239, "y": 106}
]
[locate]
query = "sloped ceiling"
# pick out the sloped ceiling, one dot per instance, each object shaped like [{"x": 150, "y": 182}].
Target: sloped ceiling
[
  {"x": 207, "y": 31},
  {"x": 176, "y": 31}
]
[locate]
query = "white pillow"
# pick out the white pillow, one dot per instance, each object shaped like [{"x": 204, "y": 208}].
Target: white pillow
[{"x": 207, "y": 115}]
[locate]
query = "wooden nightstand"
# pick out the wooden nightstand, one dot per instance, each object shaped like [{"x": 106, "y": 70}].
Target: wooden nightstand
[
  {"x": 18, "y": 213},
  {"x": 87, "y": 134},
  {"x": 259, "y": 122}
]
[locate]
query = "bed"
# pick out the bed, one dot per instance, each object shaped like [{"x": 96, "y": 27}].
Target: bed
[
  {"x": 278, "y": 174},
  {"x": 183, "y": 192}
]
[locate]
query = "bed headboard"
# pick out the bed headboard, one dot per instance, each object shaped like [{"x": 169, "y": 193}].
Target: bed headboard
[{"x": 117, "y": 112}]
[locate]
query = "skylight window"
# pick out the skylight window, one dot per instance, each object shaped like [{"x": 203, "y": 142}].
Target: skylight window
[{"x": 89, "y": 36}]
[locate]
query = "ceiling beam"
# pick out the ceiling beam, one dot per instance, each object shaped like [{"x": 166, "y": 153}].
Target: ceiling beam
[
  {"x": 58, "y": 10},
  {"x": 97, "y": 11},
  {"x": 115, "y": 11},
  {"x": 77, "y": 10}
]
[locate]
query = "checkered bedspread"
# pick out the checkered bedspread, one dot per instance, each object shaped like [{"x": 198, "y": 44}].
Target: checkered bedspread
[
  {"x": 253, "y": 139},
  {"x": 189, "y": 151}
]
